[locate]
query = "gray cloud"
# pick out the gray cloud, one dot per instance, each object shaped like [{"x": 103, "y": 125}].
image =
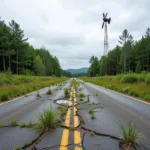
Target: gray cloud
[{"x": 71, "y": 29}]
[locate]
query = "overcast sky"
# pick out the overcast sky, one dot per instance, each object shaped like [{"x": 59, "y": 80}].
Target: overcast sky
[{"x": 71, "y": 29}]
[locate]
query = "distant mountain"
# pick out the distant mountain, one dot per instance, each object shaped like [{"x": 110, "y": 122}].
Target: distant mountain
[{"x": 80, "y": 70}]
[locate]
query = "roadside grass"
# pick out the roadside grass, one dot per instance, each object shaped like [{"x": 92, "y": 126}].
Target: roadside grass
[
  {"x": 139, "y": 89},
  {"x": 46, "y": 120},
  {"x": 12, "y": 86},
  {"x": 130, "y": 135},
  {"x": 49, "y": 92},
  {"x": 66, "y": 92}
]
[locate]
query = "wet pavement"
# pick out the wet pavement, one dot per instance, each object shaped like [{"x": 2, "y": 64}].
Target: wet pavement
[{"x": 77, "y": 129}]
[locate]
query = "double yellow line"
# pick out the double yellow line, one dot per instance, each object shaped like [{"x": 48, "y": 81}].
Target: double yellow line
[{"x": 65, "y": 134}]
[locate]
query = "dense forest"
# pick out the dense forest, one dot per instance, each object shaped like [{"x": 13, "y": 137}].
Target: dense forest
[
  {"x": 129, "y": 56},
  {"x": 19, "y": 57}
]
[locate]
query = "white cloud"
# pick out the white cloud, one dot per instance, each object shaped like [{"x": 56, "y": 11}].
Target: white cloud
[{"x": 71, "y": 29}]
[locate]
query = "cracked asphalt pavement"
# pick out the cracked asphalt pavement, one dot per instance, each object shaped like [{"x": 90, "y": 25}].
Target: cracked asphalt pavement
[{"x": 78, "y": 129}]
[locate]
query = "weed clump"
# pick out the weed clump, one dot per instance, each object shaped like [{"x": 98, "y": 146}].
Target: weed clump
[
  {"x": 130, "y": 135},
  {"x": 46, "y": 119},
  {"x": 66, "y": 93},
  {"x": 92, "y": 112},
  {"x": 81, "y": 99},
  {"x": 81, "y": 95},
  {"x": 49, "y": 92},
  {"x": 13, "y": 123},
  {"x": 18, "y": 148},
  {"x": 38, "y": 94}
]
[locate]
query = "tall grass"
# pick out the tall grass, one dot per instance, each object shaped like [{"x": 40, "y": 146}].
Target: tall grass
[
  {"x": 66, "y": 92},
  {"x": 13, "y": 86},
  {"x": 46, "y": 120},
  {"x": 138, "y": 87},
  {"x": 130, "y": 135}
]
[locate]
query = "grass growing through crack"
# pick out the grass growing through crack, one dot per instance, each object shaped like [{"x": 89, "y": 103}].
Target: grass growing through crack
[
  {"x": 23, "y": 125},
  {"x": 92, "y": 112},
  {"x": 81, "y": 95},
  {"x": 46, "y": 119},
  {"x": 18, "y": 148},
  {"x": 129, "y": 134},
  {"x": 81, "y": 99},
  {"x": 38, "y": 94},
  {"x": 62, "y": 109},
  {"x": 71, "y": 128},
  {"x": 13, "y": 123},
  {"x": 66, "y": 92},
  {"x": 88, "y": 98},
  {"x": 49, "y": 92}
]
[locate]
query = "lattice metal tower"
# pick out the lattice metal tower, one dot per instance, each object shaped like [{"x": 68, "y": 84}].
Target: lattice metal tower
[{"x": 106, "y": 44}]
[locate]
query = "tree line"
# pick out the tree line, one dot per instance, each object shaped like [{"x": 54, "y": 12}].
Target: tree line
[
  {"x": 128, "y": 56},
  {"x": 19, "y": 57}
]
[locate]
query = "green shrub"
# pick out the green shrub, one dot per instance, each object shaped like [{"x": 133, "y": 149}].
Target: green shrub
[
  {"x": 46, "y": 119},
  {"x": 141, "y": 78},
  {"x": 147, "y": 97},
  {"x": 133, "y": 93},
  {"x": 129, "y": 78},
  {"x": 147, "y": 80},
  {"x": 129, "y": 134},
  {"x": 4, "y": 96},
  {"x": 26, "y": 72},
  {"x": 81, "y": 95},
  {"x": 49, "y": 92}
]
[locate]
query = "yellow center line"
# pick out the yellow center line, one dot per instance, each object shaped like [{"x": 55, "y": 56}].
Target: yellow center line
[
  {"x": 65, "y": 135},
  {"x": 77, "y": 136}
]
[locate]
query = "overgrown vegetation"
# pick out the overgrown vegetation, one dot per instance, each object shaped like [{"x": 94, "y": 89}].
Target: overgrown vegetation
[
  {"x": 13, "y": 123},
  {"x": 130, "y": 135},
  {"x": 92, "y": 112},
  {"x": 49, "y": 92},
  {"x": 74, "y": 84},
  {"x": 62, "y": 109},
  {"x": 138, "y": 87},
  {"x": 13, "y": 86},
  {"x": 46, "y": 120},
  {"x": 81, "y": 95},
  {"x": 66, "y": 92},
  {"x": 18, "y": 148}
]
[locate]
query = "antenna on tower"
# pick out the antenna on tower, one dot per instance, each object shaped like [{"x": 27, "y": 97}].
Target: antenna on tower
[{"x": 104, "y": 25}]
